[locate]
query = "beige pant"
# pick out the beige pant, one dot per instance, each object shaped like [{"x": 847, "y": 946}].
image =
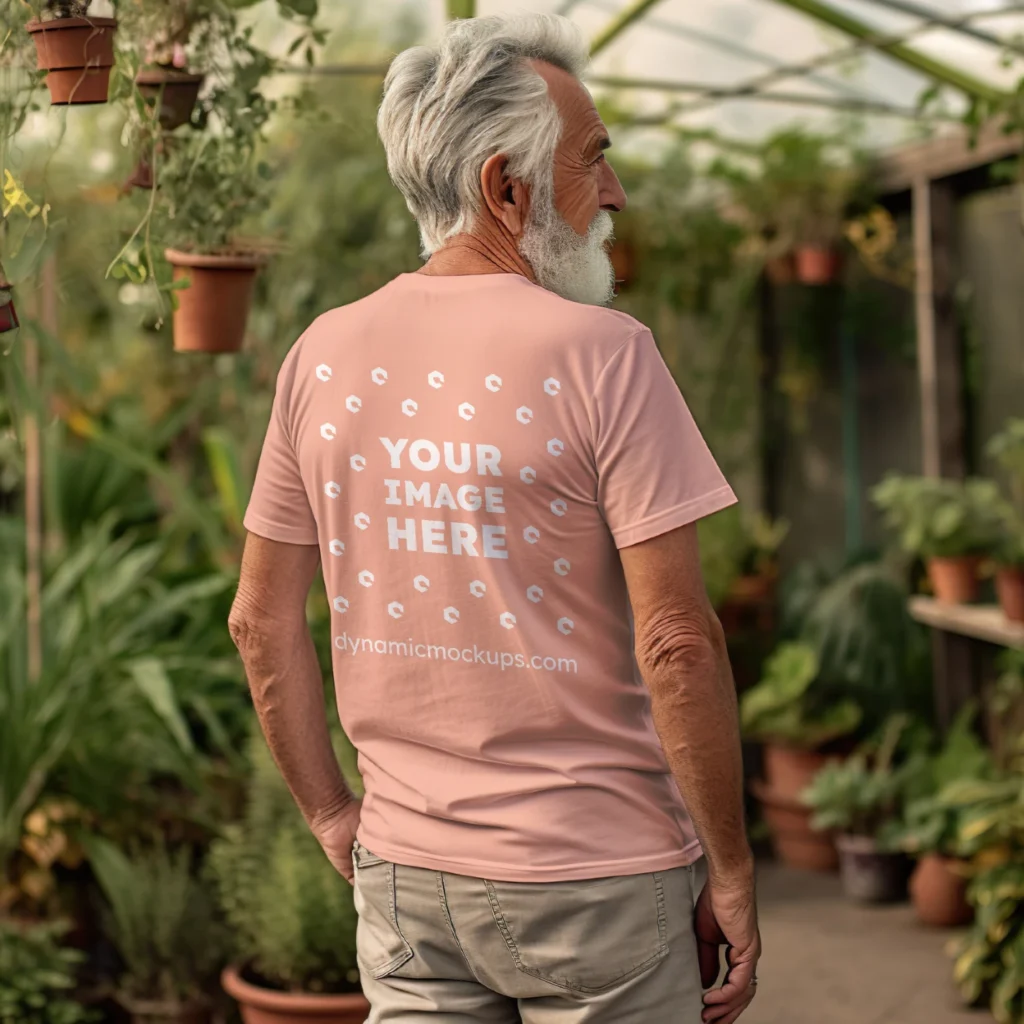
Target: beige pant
[{"x": 447, "y": 948}]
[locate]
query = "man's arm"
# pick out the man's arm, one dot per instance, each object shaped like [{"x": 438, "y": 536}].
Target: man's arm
[
  {"x": 680, "y": 649},
  {"x": 268, "y": 626}
]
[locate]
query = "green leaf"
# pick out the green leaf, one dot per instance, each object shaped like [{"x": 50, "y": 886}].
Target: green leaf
[{"x": 155, "y": 685}]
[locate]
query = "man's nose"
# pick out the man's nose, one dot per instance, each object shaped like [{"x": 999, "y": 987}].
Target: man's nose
[{"x": 611, "y": 194}]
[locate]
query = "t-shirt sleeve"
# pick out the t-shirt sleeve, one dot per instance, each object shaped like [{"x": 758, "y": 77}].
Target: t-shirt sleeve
[
  {"x": 279, "y": 506},
  {"x": 654, "y": 470}
]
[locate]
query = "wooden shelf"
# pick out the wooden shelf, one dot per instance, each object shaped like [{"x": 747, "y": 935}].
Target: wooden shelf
[{"x": 980, "y": 621}]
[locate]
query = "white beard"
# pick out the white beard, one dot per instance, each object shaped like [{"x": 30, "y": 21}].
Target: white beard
[{"x": 577, "y": 267}]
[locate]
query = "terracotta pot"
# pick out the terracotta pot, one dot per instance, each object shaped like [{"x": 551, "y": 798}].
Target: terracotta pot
[
  {"x": 781, "y": 270},
  {"x": 1010, "y": 588},
  {"x": 266, "y": 1006},
  {"x": 213, "y": 310},
  {"x": 818, "y": 264},
  {"x": 795, "y": 843},
  {"x": 788, "y": 771},
  {"x": 175, "y": 91},
  {"x": 954, "y": 580},
  {"x": 151, "y": 1011},
  {"x": 78, "y": 53},
  {"x": 938, "y": 893},
  {"x": 870, "y": 875}
]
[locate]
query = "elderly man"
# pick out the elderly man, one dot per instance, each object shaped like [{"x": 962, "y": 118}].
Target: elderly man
[{"x": 501, "y": 482}]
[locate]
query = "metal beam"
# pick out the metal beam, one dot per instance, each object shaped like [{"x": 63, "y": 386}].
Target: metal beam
[
  {"x": 851, "y": 104},
  {"x": 859, "y": 30},
  {"x": 804, "y": 68},
  {"x": 461, "y": 9},
  {"x": 724, "y": 44},
  {"x": 954, "y": 24},
  {"x": 637, "y": 9}
]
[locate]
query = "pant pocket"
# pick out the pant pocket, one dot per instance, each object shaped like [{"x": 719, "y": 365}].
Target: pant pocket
[
  {"x": 381, "y": 947},
  {"x": 585, "y": 936}
]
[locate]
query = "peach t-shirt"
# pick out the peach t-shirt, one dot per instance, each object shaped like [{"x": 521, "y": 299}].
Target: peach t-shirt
[{"x": 469, "y": 453}]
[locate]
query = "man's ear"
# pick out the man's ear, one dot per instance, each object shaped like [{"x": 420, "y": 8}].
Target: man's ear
[{"x": 507, "y": 199}]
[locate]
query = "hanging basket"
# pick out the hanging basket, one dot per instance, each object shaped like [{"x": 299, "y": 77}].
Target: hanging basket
[
  {"x": 175, "y": 91},
  {"x": 78, "y": 53},
  {"x": 214, "y": 308}
]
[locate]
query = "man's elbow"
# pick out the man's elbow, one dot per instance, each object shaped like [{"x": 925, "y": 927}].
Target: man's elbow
[
  {"x": 251, "y": 630},
  {"x": 681, "y": 646}
]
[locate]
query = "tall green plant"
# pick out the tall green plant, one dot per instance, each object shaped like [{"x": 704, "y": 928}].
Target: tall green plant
[
  {"x": 161, "y": 920},
  {"x": 106, "y": 711},
  {"x": 291, "y": 913}
]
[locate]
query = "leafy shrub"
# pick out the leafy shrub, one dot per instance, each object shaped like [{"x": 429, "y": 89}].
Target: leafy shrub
[
  {"x": 934, "y": 817},
  {"x": 292, "y": 914},
  {"x": 935, "y": 517},
  {"x": 866, "y": 792},
  {"x": 161, "y": 919},
  {"x": 989, "y": 967},
  {"x": 37, "y": 976},
  {"x": 784, "y": 706}
]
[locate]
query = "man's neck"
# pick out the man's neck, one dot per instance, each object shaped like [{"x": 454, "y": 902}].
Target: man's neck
[{"x": 477, "y": 254}]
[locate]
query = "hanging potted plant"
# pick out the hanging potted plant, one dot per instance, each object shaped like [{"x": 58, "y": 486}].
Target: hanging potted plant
[
  {"x": 1007, "y": 448},
  {"x": 75, "y": 48},
  {"x": 165, "y": 82},
  {"x": 210, "y": 185},
  {"x": 857, "y": 800},
  {"x": 296, "y": 956},
  {"x": 159, "y": 917},
  {"x": 951, "y": 524},
  {"x": 796, "y": 724}
]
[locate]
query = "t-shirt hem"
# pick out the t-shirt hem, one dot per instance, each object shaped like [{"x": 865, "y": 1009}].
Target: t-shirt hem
[
  {"x": 673, "y": 518},
  {"x": 276, "y": 531},
  {"x": 680, "y": 858}
]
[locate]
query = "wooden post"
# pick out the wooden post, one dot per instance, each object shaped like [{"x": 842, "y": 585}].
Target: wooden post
[
  {"x": 939, "y": 354},
  {"x": 771, "y": 415},
  {"x": 940, "y": 378},
  {"x": 46, "y": 317}
]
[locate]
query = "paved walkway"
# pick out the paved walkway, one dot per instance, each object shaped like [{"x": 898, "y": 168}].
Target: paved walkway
[{"x": 827, "y": 961}]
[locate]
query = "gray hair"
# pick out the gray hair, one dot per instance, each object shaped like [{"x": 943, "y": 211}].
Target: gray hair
[{"x": 448, "y": 108}]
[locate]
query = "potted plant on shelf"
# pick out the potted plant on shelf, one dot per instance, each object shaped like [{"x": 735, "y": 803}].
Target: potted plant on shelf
[
  {"x": 857, "y": 800},
  {"x": 951, "y": 524},
  {"x": 932, "y": 825},
  {"x": 291, "y": 913},
  {"x": 785, "y": 712},
  {"x": 161, "y": 922},
  {"x": 1007, "y": 448},
  {"x": 75, "y": 48},
  {"x": 796, "y": 201}
]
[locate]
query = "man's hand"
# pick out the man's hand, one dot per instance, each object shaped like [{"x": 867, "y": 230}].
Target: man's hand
[
  {"x": 727, "y": 915},
  {"x": 337, "y": 834}
]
